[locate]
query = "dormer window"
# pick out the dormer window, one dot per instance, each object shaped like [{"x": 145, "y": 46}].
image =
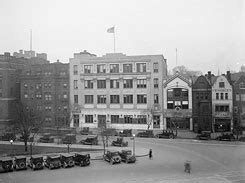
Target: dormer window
[
  {"x": 221, "y": 84},
  {"x": 242, "y": 85}
]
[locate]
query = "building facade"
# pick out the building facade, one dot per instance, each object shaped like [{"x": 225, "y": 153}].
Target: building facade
[
  {"x": 222, "y": 103},
  {"x": 117, "y": 91},
  {"x": 177, "y": 103},
  {"x": 45, "y": 91},
  {"x": 202, "y": 103}
]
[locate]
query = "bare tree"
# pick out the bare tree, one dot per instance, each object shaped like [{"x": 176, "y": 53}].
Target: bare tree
[
  {"x": 27, "y": 123},
  {"x": 182, "y": 70}
]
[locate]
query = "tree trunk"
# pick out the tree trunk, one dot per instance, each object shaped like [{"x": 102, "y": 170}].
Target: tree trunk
[{"x": 26, "y": 146}]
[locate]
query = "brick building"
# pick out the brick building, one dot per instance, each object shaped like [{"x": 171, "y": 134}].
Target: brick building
[
  {"x": 45, "y": 90},
  {"x": 117, "y": 91}
]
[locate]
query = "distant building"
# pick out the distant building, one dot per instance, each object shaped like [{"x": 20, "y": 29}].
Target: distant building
[
  {"x": 45, "y": 91},
  {"x": 202, "y": 103},
  {"x": 222, "y": 103},
  {"x": 177, "y": 103},
  {"x": 117, "y": 91},
  {"x": 29, "y": 54},
  {"x": 10, "y": 70}
]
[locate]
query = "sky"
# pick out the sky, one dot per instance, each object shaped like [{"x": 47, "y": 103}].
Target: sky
[{"x": 209, "y": 34}]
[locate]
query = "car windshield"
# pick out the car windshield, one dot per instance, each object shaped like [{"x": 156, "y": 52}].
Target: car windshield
[{"x": 114, "y": 153}]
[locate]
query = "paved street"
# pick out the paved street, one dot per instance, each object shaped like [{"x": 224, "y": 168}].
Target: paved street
[{"x": 211, "y": 162}]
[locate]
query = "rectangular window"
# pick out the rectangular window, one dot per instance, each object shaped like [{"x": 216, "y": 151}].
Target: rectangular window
[
  {"x": 156, "y": 98},
  {"x": 185, "y": 105},
  {"x": 170, "y": 105},
  {"x": 221, "y": 84},
  {"x": 221, "y": 96},
  {"x": 88, "y": 69},
  {"x": 155, "y": 67},
  {"x": 128, "y": 119},
  {"x": 221, "y": 108},
  {"x": 235, "y": 109},
  {"x": 64, "y": 85},
  {"x": 217, "y": 96},
  {"x": 242, "y": 85},
  {"x": 47, "y": 96},
  {"x": 141, "y": 99},
  {"x": 65, "y": 96},
  {"x": 127, "y": 83},
  {"x": 114, "y": 83},
  {"x": 226, "y": 96},
  {"x": 114, "y": 118},
  {"x": 25, "y": 95},
  {"x": 237, "y": 97},
  {"x": 101, "y": 99},
  {"x": 127, "y": 99},
  {"x": 142, "y": 119},
  {"x": 101, "y": 84},
  {"x": 114, "y": 68},
  {"x": 89, "y": 99},
  {"x": 76, "y": 99},
  {"x": 242, "y": 97},
  {"x": 88, "y": 84},
  {"x": 89, "y": 119},
  {"x": 76, "y": 120},
  {"x": 184, "y": 93},
  {"x": 101, "y": 68},
  {"x": 141, "y": 67},
  {"x": 141, "y": 83},
  {"x": 177, "y": 92},
  {"x": 127, "y": 68},
  {"x": 155, "y": 82},
  {"x": 114, "y": 99},
  {"x": 75, "y": 84},
  {"x": 75, "y": 69}
]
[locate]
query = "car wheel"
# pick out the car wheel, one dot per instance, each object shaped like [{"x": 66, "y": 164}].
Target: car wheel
[
  {"x": 157, "y": 136},
  {"x": 171, "y": 136}
]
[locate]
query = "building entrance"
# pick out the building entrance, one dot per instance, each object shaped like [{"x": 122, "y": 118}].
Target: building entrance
[{"x": 101, "y": 121}]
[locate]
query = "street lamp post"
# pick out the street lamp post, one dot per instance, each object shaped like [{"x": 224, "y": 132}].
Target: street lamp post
[
  {"x": 133, "y": 144},
  {"x": 11, "y": 142}
]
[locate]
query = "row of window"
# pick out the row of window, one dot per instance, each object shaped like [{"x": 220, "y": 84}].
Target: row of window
[
  {"x": 141, "y": 119},
  {"x": 114, "y": 68},
  {"x": 221, "y": 96},
  {"x": 114, "y": 83},
  {"x": 115, "y": 99},
  {"x": 45, "y": 85},
  {"x": 46, "y": 73},
  {"x": 47, "y": 96},
  {"x": 47, "y": 108}
]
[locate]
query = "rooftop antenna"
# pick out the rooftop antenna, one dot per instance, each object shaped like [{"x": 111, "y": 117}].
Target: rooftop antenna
[{"x": 31, "y": 40}]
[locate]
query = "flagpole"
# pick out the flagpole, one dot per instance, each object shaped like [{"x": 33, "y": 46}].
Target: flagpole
[
  {"x": 176, "y": 57},
  {"x": 114, "y": 40}
]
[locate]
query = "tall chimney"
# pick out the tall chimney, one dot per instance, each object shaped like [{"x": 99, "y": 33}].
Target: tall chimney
[
  {"x": 228, "y": 75},
  {"x": 209, "y": 76}
]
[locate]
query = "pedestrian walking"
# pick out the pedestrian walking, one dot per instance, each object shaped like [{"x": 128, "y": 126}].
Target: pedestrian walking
[{"x": 150, "y": 154}]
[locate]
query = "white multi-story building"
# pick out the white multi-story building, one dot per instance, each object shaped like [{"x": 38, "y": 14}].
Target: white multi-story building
[
  {"x": 177, "y": 103},
  {"x": 117, "y": 91},
  {"x": 222, "y": 104}
]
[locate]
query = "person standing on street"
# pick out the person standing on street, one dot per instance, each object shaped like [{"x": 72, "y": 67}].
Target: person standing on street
[{"x": 150, "y": 154}]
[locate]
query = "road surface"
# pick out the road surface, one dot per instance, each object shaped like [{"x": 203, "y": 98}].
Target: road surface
[{"x": 211, "y": 161}]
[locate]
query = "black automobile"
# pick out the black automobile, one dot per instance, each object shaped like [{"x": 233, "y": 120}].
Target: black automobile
[
  {"x": 53, "y": 162},
  {"x": 90, "y": 140},
  {"x": 46, "y": 138},
  {"x": 119, "y": 142},
  {"x": 69, "y": 139},
  {"x": 6, "y": 164},
  {"x": 205, "y": 135},
  {"x": 112, "y": 157},
  {"x": 125, "y": 133},
  {"x": 20, "y": 163},
  {"x": 226, "y": 137},
  {"x": 82, "y": 159},
  {"x": 242, "y": 138},
  {"x": 127, "y": 156},
  {"x": 166, "y": 134},
  {"x": 67, "y": 160},
  {"x": 36, "y": 162},
  {"x": 147, "y": 134}
]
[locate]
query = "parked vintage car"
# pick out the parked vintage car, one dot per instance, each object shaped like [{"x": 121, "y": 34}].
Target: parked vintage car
[
  {"x": 67, "y": 160},
  {"x": 36, "y": 162},
  {"x": 46, "y": 138},
  {"x": 205, "y": 135},
  {"x": 7, "y": 136},
  {"x": 85, "y": 131},
  {"x": 125, "y": 133},
  {"x": 6, "y": 164},
  {"x": 82, "y": 159},
  {"x": 90, "y": 140},
  {"x": 53, "y": 162},
  {"x": 119, "y": 142},
  {"x": 166, "y": 134},
  {"x": 147, "y": 133},
  {"x": 69, "y": 139},
  {"x": 20, "y": 163},
  {"x": 112, "y": 157},
  {"x": 226, "y": 137},
  {"x": 127, "y": 156},
  {"x": 242, "y": 138}
]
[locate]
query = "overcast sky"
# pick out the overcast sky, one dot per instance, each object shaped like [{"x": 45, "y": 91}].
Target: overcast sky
[{"x": 209, "y": 34}]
